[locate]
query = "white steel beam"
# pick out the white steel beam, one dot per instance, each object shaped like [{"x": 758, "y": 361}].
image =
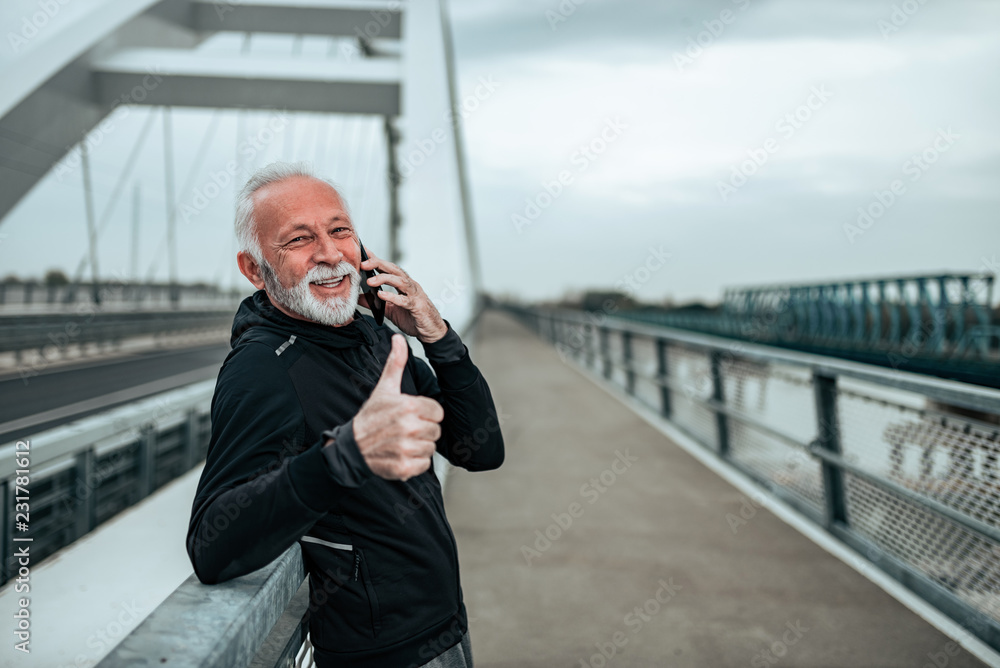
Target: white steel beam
[
  {"x": 301, "y": 17},
  {"x": 186, "y": 79}
]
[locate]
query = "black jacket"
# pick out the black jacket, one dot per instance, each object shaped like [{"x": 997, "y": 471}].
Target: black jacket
[{"x": 382, "y": 560}]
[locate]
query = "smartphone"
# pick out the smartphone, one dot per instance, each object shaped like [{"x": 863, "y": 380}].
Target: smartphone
[{"x": 375, "y": 302}]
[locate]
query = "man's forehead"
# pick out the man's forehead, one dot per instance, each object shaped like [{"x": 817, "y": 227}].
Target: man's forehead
[
  {"x": 296, "y": 188},
  {"x": 298, "y": 200}
]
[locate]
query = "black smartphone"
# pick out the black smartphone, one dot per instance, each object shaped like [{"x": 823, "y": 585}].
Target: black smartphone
[{"x": 376, "y": 304}]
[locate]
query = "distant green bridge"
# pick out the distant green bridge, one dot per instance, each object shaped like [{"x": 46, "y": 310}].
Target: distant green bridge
[{"x": 940, "y": 325}]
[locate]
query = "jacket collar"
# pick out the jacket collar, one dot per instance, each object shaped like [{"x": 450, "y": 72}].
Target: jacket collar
[{"x": 258, "y": 311}]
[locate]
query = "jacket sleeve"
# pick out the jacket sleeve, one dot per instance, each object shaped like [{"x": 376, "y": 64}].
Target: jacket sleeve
[
  {"x": 261, "y": 490},
  {"x": 470, "y": 430}
]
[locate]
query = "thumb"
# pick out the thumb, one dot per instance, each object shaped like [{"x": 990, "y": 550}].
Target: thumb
[{"x": 392, "y": 374}]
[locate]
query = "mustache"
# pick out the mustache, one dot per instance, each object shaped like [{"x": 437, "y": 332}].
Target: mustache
[{"x": 324, "y": 272}]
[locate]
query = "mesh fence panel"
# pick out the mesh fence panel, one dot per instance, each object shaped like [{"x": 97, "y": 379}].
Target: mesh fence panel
[
  {"x": 781, "y": 397},
  {"x": 950, "y": 458},
  {"x": 691, "y": 370},
  {"x": 615, "y": 353},
  {"x": 963, "y": 562},
  {"x": 571, "y": 341},
  {"x": 644, "y": 361}
]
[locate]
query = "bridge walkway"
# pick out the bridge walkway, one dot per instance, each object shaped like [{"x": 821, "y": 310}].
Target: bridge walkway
[{"x": 646, "y": 566}]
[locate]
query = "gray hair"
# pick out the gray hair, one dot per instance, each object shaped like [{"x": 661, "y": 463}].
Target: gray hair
[{"x": 246, "y": 226}]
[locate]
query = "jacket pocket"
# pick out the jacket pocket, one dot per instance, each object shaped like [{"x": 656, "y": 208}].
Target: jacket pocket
[{"x": 358, "y": 572}]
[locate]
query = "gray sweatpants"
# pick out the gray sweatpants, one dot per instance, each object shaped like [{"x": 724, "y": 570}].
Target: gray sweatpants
[{"x": 457, "y": 656}]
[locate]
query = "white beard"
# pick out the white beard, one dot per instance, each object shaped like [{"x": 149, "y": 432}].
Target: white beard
[{"x": 334, "y": 311}]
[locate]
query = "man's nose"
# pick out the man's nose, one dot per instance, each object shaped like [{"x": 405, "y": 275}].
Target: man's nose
[{"x": 327, "y": 252}]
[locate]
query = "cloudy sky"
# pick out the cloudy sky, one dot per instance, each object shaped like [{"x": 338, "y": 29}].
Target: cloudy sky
[
  {"x": 698, "y": 96},
  {"x": 667, "y": 148}
]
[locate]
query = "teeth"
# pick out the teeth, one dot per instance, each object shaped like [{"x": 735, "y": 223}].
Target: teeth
[{"x": 330, "y": 281}]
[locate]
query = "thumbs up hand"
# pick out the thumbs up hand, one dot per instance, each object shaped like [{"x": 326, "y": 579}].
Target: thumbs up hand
[{"x": 396, "y": 432}]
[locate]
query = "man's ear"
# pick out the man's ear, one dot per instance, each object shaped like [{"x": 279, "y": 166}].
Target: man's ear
[{"x": 249, "y": 268}]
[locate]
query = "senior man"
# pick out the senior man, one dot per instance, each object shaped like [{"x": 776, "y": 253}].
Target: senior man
[{"x": 323, "y": 428}]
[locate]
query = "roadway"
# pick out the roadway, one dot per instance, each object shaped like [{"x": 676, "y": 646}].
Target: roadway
[
  {"x": 601, "y": 542},
  {"x": 61, "y": 394}
]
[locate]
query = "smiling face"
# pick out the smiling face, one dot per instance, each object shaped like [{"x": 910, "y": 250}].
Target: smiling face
[{"x": 310, "y": 250}]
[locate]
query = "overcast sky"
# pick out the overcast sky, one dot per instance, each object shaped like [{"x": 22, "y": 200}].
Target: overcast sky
[
  {"x": 691, "y": 115},
  {"x": 671, "y": 149}
]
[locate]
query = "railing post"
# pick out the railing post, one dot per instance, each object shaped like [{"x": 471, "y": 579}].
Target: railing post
[
  {"x": 86, "y": 493},
  {"x": 588, "y": 338},
  {"x": 627, "y": 362},
  {"x": 605, "y": 354},
  {"x": 719, "y": 395},
  {"x": 828, "y": 438},
  {"x": 663, "y": 373},
  {"x": 147, "y": 462}
]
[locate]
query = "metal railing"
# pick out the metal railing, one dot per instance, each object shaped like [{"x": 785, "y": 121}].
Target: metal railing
[
  {"x": 32, "y": 296},
  {"x": 52, "y": 334},
  {"x": 222, "y": 626},
  {"x": 86, "y": 472},
  {"x": 901, "y": 467}
]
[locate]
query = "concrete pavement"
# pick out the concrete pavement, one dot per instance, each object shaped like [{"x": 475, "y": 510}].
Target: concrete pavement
[{"x": 600, "y": 542}]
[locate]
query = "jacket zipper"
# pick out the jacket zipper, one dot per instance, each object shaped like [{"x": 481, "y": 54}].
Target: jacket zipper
[
  {"x": 370, "y": 591},
  {"x": 377, "y": 365}
]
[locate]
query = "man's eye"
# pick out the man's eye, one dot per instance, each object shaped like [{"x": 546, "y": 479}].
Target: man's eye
[{"x": 296, "y": 239}]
